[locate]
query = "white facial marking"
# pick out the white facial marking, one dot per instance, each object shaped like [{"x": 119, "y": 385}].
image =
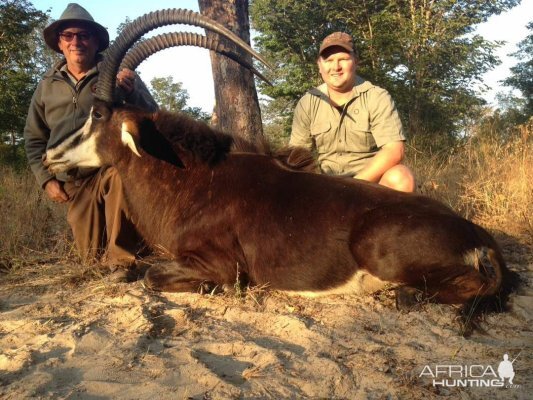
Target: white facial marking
[{"x": 78, "y": 150}]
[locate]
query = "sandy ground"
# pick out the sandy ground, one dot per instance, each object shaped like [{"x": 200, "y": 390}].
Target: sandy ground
[{"x": 68, "y": 335}]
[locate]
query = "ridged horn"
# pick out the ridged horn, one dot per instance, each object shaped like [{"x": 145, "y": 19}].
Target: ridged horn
[
  {"x": 141, "y": 51},
  {"x": 147, "y": 22}
]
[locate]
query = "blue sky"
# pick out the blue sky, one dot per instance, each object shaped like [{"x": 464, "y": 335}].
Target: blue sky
[{"x": 192, "y": 67}]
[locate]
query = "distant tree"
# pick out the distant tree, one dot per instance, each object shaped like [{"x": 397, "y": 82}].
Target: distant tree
[
  {"x": 237, "y": 107},
  {"x": 197, "y": 113},
  {"x": 423, "y": 52},
  {"x": 23, "y": 59},
  {"x": 522, "y": 73},
  {"x": 511, "y": 111},
  {"x": 171, "y": 96},
  {"x": 168, "y": 94}
]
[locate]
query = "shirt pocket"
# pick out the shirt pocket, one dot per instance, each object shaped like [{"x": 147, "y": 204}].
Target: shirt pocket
[
  {"x": 359, "y": 138},
  {"x": 322, "y": 135}
]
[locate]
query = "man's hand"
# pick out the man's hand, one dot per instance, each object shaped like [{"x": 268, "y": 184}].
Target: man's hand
[
  {"x": 126, "y": 80},
  {"x": 55, "y": 191}
]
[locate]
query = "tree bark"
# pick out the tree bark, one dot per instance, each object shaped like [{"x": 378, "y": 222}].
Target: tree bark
[{"x": 237, "y": 106}]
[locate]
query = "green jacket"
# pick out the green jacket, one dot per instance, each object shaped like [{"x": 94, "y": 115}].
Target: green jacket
[
  {"x": 58, "y": 108},
  {"x": 346, "y": 139}
]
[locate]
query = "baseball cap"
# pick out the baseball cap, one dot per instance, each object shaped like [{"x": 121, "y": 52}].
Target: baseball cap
[{"x": 340, "y": 39}]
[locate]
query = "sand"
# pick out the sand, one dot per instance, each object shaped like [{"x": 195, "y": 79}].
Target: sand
[{"x": 68, "y": 335}]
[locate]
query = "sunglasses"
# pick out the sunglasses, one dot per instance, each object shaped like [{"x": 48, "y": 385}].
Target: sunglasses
[{"x": 69, "y": 36}]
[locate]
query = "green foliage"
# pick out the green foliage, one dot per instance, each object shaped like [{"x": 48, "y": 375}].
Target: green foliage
[
  {"x": 23, "y": 59},
  {"x": 18, "y": 22},
  {"x": 512, "y": 111},
  {"x": 277, "y": 120},
  {"x": 197, "y": 113},
  {"x": 13, "y": 156},
  {"x": 288, "y": 35},
  {"x": 423, "y": 52},
  {"x": 171, "y": 96},
  {"x": 522, "y": 72},
  {"x": 502, "y": 124}
]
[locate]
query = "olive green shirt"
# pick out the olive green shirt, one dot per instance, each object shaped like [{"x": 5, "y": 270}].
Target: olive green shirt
[
  {"x": 346, "y": 139},
  {"x": 60, "y": 105}
]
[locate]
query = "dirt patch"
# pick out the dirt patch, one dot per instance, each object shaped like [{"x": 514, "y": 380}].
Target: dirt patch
[{"x": 86, "y": 339}]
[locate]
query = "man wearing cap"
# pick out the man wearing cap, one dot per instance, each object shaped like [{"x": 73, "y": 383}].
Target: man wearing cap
[
  {"x": 353, "y": 124},
  {"x": 60, "y": 105}
]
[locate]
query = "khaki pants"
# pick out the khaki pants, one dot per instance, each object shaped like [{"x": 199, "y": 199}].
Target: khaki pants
[{"x": 100, "y": 220}]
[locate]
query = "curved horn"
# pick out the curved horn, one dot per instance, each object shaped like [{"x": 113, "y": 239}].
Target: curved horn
[
  {"x": 150, "y": 46},
  {"x": 145, "y": 23}
]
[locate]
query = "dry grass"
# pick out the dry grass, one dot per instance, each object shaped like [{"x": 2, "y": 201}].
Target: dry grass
[
  {"x": 32, "y": 228},
  {"x": 488, "y": 180}
]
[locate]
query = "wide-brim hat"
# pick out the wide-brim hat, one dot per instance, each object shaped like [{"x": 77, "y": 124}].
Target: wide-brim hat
[
  {"x": 340, "y": 39},
  {"x": 75, "y": 13}
]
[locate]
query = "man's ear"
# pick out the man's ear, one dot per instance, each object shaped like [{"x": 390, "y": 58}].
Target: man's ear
[{"x": 128, "y": 136}]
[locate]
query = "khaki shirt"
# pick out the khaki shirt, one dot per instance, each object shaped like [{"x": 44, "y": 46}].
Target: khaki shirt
[{"x": 345, "y": 141}]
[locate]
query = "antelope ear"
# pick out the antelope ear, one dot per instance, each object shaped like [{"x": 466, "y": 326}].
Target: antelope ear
[{"x": 127, "y": 138}]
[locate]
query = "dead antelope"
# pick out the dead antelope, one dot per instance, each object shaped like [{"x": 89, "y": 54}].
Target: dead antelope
[{"x": 225, "y": 215}]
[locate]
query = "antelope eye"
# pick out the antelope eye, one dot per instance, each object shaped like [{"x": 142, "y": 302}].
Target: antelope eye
[{"x": 97, "y": 115}]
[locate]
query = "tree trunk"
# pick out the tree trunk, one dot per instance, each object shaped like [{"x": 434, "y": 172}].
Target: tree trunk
[{"x": 237, "y": 107}]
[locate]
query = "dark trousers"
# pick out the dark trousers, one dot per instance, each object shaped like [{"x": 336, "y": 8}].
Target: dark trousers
[{"x": 100, "y": 221}]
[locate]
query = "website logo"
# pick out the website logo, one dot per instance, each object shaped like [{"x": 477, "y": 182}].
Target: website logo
[
  {"x": 475, "y": 375},
  {"x": 506, "y": 370}
]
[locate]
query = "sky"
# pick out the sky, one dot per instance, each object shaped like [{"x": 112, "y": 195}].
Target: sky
[{"x": 192, "y": 66}]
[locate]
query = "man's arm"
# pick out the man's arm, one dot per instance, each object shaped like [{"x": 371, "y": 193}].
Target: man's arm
[
  {"x": 387, "y": 157},
  {"x": 386, "y": 128},
  {"x": 301, "y": 127},
  {"x": 36, "y": 134}
]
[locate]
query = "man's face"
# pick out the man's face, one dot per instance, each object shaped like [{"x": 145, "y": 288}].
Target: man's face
[
  {"x": 337, "y": 68},
  {"x": 79, "y": 44}
]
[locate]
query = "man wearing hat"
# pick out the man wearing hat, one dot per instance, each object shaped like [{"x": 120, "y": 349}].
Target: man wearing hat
[
  {"x": 60, "y": 105},
  {"x": 353, "y": 124}
]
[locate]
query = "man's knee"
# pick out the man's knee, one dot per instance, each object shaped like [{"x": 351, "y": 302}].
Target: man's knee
[{"x": 399, "y": 178}]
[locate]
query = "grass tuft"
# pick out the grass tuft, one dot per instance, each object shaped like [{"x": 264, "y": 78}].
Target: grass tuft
[{"x": 33, "y": 229}]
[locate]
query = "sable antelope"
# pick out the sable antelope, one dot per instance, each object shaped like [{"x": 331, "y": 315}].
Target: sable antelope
[{"x": 225, "y": 216}]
